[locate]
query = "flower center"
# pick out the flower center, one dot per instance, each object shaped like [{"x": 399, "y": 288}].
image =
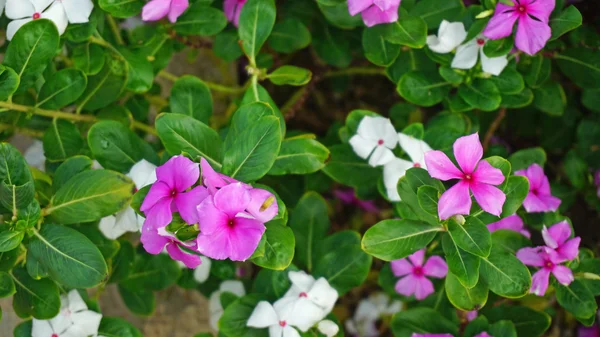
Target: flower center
[
  {"x": 416, "y": 165},
  {"x": 54, "y": 335},
  {"x": 35, "y": 17},
  {"x": 468, "y": 177},
  {"x": 230, "y": 223},
  {"x": 480, "y": 42},
  {"x": 303, "y": 294},
  {"x": 380, "y": 142},
  {"x": 418, "y": 271},
  {"x": 549, "y": 265},
  {"x": 521, "y": 9},
  {"x": 282, "y": 323},
  {"x": 173, "y": 193}
]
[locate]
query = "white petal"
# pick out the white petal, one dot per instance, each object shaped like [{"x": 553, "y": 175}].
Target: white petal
[
  {"x": 304, "y": 314},
  {"x": 40, "y": 5},
  {"x": 235, "y": 287},
  {"x": 108, "y": 227},
  {"x": 41, "y": 328},
  {"x": 143, "y": 173},
  {"x": 381, "y": 156},
  {"x": 394, "y": 307},
  {"x": 88, "y": 321},
  {"x": 378, "y": 128},
  {"x": 328, "y": 328},
  {"x": 78, "y": 11},
  {"x": 275, "y": 331},
  {"x": 288, "y": 331},
  {"x": 96, "y": 165},
  {"x": 202, "y": 272},
  {"x": 393, "y": 171},
  {"x": 19, "y": 9},
  {"x": 2, "y": 3},
  {"x": 436, "y": 45},
  {"x": 56, "y": 13},
  {"x": 34, "y": 155},
  {"x": 301, "y": 280},
  {"x": 493, "y": 65},
  {"x": 466, "y": 55},
  {"x": 323, "y": 294},
  {"x": 263, "y": 315},
  {"x": 379, "y": 300},
  {"x": 415, "y": 148},
  {"x": 14, "y": 26},
  {"x": 126, "y": 220},
  {"x": 76, "y": 303},
  {"x": 215, "y": 309},
  {"x": 366, "y": 310},
  {"x": 452, "y": 34},
  {"x": 362, "y": 146}
]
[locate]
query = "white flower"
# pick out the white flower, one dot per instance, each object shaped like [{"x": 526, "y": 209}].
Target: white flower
[
  {"x": 202, "y": 272},
  {"x": 142, "y": 173},
  {"x": 279, "y": 320},
  {"x": 328, "y": 328},
  {"x": 467, "y": 54},
  {"x": 215, "y": 308},
  {"x": 396, "y": 169},
  {"x": 61, "y": 12},
  {"x": 368, "y": 312},
  {"x": 376, "y": 137},
  {"x": 73, "y": 320},
  {"x": 450, "y": 35},
  {"x": 34, "y": 155},
  {"x": 2, "y": 3}
]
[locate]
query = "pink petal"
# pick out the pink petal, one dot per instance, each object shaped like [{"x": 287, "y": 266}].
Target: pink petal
[
  {"x": 539, "y": 282},
  {"x": 541, "y": 9},
  {"x": 177, "y": 8},
  {"x": 244, "y": 238},
  {"x": 210, "y": 178},
  {"x": 384, "y": 5},
  {"x": 357, "y": 6},
  {"x": 468, "y": 152},
  {"x": 229, "y": 7},
  {"x": 511, "y": 223},
  {"x": 374, "y": 16},
  {"x": 532, "y": 35},
  {"x": 487, "y": 174},
  {"x": 440, "y": 167},
  {"x": 417, "y": 258},
  {"x": 232, "y": 199},
  {"x": 258, "y": 197},
  {"x": 531, "y": 256},
  {"x": 424, "y": 288},
  {"x": 501, "y": 24},
  {"x": 456, "y": 200},
  {"x": 155, "y": 10},
  {"x": 210, "y": 218},
  {"x": 161, "y": 213},
  {"x": 187, "y": 203},
  {"x": 407, "y": 285},
  {"x": 435, "y": 267},
  {"x": 563, "y": 275},
  {"x": 550, "y": 202},
  {"x": 534, "y": 204},
  {"x": 483, "y": 334},
  {"x": 191, "y": 261},
  {"x": 157, "y": 192},
  {"x": 153, "y": 242},
  {"x": 238, "y": 12},
  {"x": 179, "y": 173},
  {"x": 535, "y": 175},
  {"x": 215, "y": 245},
  {"x": 490, "y": 198},
  {"x": 570, "y": 249},
  {"x": 401, "y": 267},
  {"x": 557, "y": 234}
]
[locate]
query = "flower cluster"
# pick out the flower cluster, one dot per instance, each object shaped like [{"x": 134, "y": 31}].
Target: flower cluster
[
  {"x": 559, "y": 248},
  {"x": 414, "y": 272},
  {"x": 222, "y": 218},
  {"x": 304, "y": 305},
  {"x": 156, "y": 10},
  {"x": 375, "y": 140},
  {"x": 368, "y": 312},
  {"x": 375, "y": 12}
]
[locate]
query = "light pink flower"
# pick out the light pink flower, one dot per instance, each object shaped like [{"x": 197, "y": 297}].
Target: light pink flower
[
  {"x": 549, "y": 263},
  {"x": 475, "y": 175},
  {"x": 539, "y": 198},
  {"x": 155, "y": 240},
  {"x": 512, "y": 223},
  {"x": 168, "y": 194},
  {"x": 226, "y": 229},
  {"x": 533, "y": 30},
  {"x": 414, "y": 273},
  {"x": 471, "y": 315},
  {"x": 158, "y": 9},
  {"x": 557, "y": 237},
  {"x": 233, "y": 9},
  {"x": 375, "y": 12}
]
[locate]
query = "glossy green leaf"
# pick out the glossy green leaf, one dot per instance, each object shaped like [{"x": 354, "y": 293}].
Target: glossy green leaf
[
  {"x": 344, "y": 267},
  {"x": 115, "y": 326},
  {"x": 310, "y": 222},
  {"x": 434, "y": 11},
  {"x": 62, "y": 89},
  {"x": 279, "y": 250},
  {"x": 424, "y": 89},
  {"x": 472, "y": 236},
  {"x": 152, "y": 272},
  {"x": 9, "y": 82},
  {"x": 377, "y": 49},
  {"x": 464, "y": 298},
  {"x": 122, "y": 8},
  {"x": 410, "y": 31},
  {"x": 290, "y": 75},
  {"x": 289, "y": 35},
  {"x": 464, "y": 266},
  {"x": 190, "y": 96},
  {"x": 200, "y": 19},
  {"x": 516, "y": 191},
  {"x": 62, "y": 140},
  {"x": 569, "y": 19},
  {"x": 577, "y": 299},
  {"x": 39, "y": 299},
  {"x": 257, "y": 19},
  {"x": 423, "y": 321},
  {"x": 7, "y": 286},
  {"x": 69, "y": 168},
  {"x": 505, "y": 274},
  {"x": 581, "y": 65},
  {"x": 481, "y": 94},
  {"x": 300, "y": 155},
  {"x": 527, "y": 322},
  {"x": 140, "y": 302}
]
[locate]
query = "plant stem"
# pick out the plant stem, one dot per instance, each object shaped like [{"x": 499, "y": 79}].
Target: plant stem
[
  {"x": 115, "y": 29},
  {"x": 210, "y": 85},
  {"x": 355, "y": 71},
  {"x": 25, "y": 131},
  {"x": 144, "y": 127},
  {"x": 493, "y": 127}
]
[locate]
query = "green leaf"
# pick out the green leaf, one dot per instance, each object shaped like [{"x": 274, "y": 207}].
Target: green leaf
[
  {"x": 23, "y": 329},
  {"x": 300, "y": 155},
  {"x": 68, "y": 256},
  {"x": 122, "y": 263},
  {"x": 226, "y": 45},
  {"x": 577, "y": 299},
  {"x": 423, "y": 89},
  {"x": 310, "y": 222},
  {"x": 510, "y": 82},
  {"x": 118, "y": 148},
  {"x": 473, "y": 236},
  {"x": 253, "y": 152},
  {"x": 332, "y": 46},
  {"x": 410, "y": 31},
  {"x": 89, "y": 58},
  {"x": 290, "y": 75},
  {"x": 451, "y": 75},
  {"x": 481, "y": 94},
  {"x": 396, "y": 239},
  {"x": 464, "y": 298},
  {"x": 62, "y": 140},
  {"x": 190, "y": 96},
  {"x": 140, "y": 302},
  {"x": 408, "y": 187},
  {"x": 428, "y": 199},
  {"x": 7, "y": 286},
  {"x": 256, "y": 22},
  {"x": 140, "y": 75},
  {"x": 279, "y": 250},
  {"x": 69, "y": 168},
  {"x": 180, "y": 133},
  {"x": 30, "y": 51},
  {"x": 522, "y": 159},
  {"x": 39, "y": 299},
  {"x": 505, "y": 274},
  {"x": 152, "y": 272},
  {"x": 377, "y": 49},
  {"x": 347, "y": 168},
  {"x": 122, "y": 8},
  {"x": 289, "y": 35},
  {"x": 9, "y": 82},
  {"x": 62, "y": 89},
  {"x": 581, "y": 65},
  {"x": 200, "y": 19},
  {"x": 464, "y": 266},
  {"x": 344, "y": 268},
  {"x": 17, "y": 186},
  {"x": 106, "y": 86},
  {"x": 516, "y": 191},
  {"x": 234, "y": 319},
  {"x": 497, "y": 48},
  {"x": 117, "y": 327},
  {"x": 503, "y": 329},
  {"x": 538, "y": 71},
  {"x": 566, "y": 21},
  {"x": 520, "y": 100},
  {"x": 9, "y": 238},
  {"x": 510, "y": 241},
  {"x": 107, "y": 247},
  {"x": 434, "y": 11},
  {"x": 528, "y": 322},
  {"x": 90, "y": 196},
  {"x": 263, "y": 97},
  {"x": 550, "y": 98},
  {"x": 423, "y": 321}
]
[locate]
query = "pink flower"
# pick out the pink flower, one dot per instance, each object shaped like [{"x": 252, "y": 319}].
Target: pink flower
[
  {"x": 471, "y": 315},
  {"x": 557, "y": 238},
  {"x": 233, "y": 9},
  {"x": 512, "y": 223},
  {"x": 431, "y": 335},
  {"x": 347, "y": 196},
  {"x": 226, "y": 229},
  {"x": 155, "y": 240},
  {"x": 168, "y": 194},
  {"x": 158, "y": 9},
  {"x": 414, "y": 272},
  {"x": 375, "y": 12},
  {"x": 533, "y": 30},
  {"x": 588, "y": 332},
  {"x": 539, "y": 198},
  {"x": 597, "y": 182},
  {"x": 475, "y": 175},
  {"x": 548, "y": 260}
]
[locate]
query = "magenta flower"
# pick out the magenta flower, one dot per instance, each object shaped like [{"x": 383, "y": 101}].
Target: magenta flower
[
  {"x": 347, "y": 196},
  {"x": 475, "y": 175},
  {"x": 154, "y": 243},
  {"x": 168, "y": 194},
  {"x": 557, "y": 238},
  {"x": 233, "y": 9},
  {"x": 471, "y": 315},
  {"x": 226, "y": 229},
  {"x": 597, "y": 182},
  {"x": 512, "y": 223},
  {"x": 549, "y": 263},
  {"x": 414, "y": 274},
  {"x": 539, "y": 198},
  {"x": 375, "y": 12},
  {"x": 213, "y": 180},
  {"x": 158, "y": 9},
  {"x": 588, "y": 332},
  {"x": 533, "y": 30},
  {"x": 431, "y": 335}
]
